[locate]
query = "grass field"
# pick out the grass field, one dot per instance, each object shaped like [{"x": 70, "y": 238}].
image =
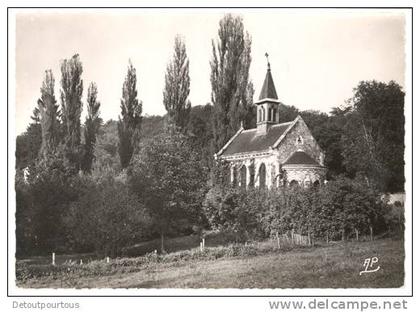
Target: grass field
[{"x": 334, "y": 266}]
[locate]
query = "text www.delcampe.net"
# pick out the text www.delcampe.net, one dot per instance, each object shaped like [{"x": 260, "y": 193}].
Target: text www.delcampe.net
[{"x": 325, "y": 304}]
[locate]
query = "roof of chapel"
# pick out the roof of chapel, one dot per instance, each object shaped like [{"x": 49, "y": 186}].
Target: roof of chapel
[{"x": 250, "y": 141}]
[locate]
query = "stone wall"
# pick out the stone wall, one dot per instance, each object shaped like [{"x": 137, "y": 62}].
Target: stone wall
[
  {"x": 290, "y": 144},
  {"x": 253, "y": 164},
  {"x": 305, "y": 175}
]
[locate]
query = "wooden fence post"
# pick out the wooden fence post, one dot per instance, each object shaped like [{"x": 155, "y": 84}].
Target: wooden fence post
[
  {"x": 278, "y": 240},
  {"x": 53, "y": 258},
  {"x": 371, "y": 232}
]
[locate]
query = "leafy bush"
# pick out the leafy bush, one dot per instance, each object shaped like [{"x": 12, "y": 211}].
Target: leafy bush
[
  {"x": 336, "y": 210},
  {"x": 393, "y": 218},
  {"x": 234, "y": 210},
  {"x": 41, "y": 201},
  {"x": 106, "y": 218}
]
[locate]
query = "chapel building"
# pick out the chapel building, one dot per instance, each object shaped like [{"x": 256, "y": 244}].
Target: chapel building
[{"x": 273, "y": 153}]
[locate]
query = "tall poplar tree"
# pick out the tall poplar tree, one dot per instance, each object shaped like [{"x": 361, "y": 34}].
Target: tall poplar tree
[
  {"x": 36, "y": 116},
  {"x": 91, "y": 129},
  {"x": 71, "y": 107},
  {"x": 232, "y": 91},
  {"x": 130, "y": 120},
  {"x": 48, "y": 116},
  {"x": 177, "y": 86}
]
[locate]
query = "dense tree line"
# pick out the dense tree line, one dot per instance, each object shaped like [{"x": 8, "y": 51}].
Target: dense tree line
[{"x": 100, "y": 186}]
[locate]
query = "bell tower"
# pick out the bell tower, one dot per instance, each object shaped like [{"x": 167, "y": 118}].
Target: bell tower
[{"x": 267, "y": 104}]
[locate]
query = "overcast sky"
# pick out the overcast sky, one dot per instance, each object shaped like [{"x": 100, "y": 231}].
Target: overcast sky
[{"x": 317, "y": 57}]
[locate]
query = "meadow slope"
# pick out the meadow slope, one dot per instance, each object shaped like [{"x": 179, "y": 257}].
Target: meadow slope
[{"x": 333, "y": 266}]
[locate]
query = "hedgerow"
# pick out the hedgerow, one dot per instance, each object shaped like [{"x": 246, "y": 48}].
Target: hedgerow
[{"x": 333, "y": 211}]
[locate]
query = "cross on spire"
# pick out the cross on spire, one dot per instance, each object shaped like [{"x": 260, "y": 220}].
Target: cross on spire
[{"x": 268, "y": 62}]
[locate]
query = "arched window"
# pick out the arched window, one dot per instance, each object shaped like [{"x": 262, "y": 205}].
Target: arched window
[
  {"x": 226, "y": 176},
  {"x": 263, "y": 113},
  {"x": 274, "y": 114},
  {"x": 259, "y": 115},
  {"x": 269, "y": 114},
  {"x": 251, "y": 169},
  {"x": 234, "y": 177},
  {"x": 262, "y": 175},
  {"x": 243, "y": 176}
]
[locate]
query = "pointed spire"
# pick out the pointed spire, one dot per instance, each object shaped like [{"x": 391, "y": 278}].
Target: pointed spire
[{"x": 268, "y": 90}]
